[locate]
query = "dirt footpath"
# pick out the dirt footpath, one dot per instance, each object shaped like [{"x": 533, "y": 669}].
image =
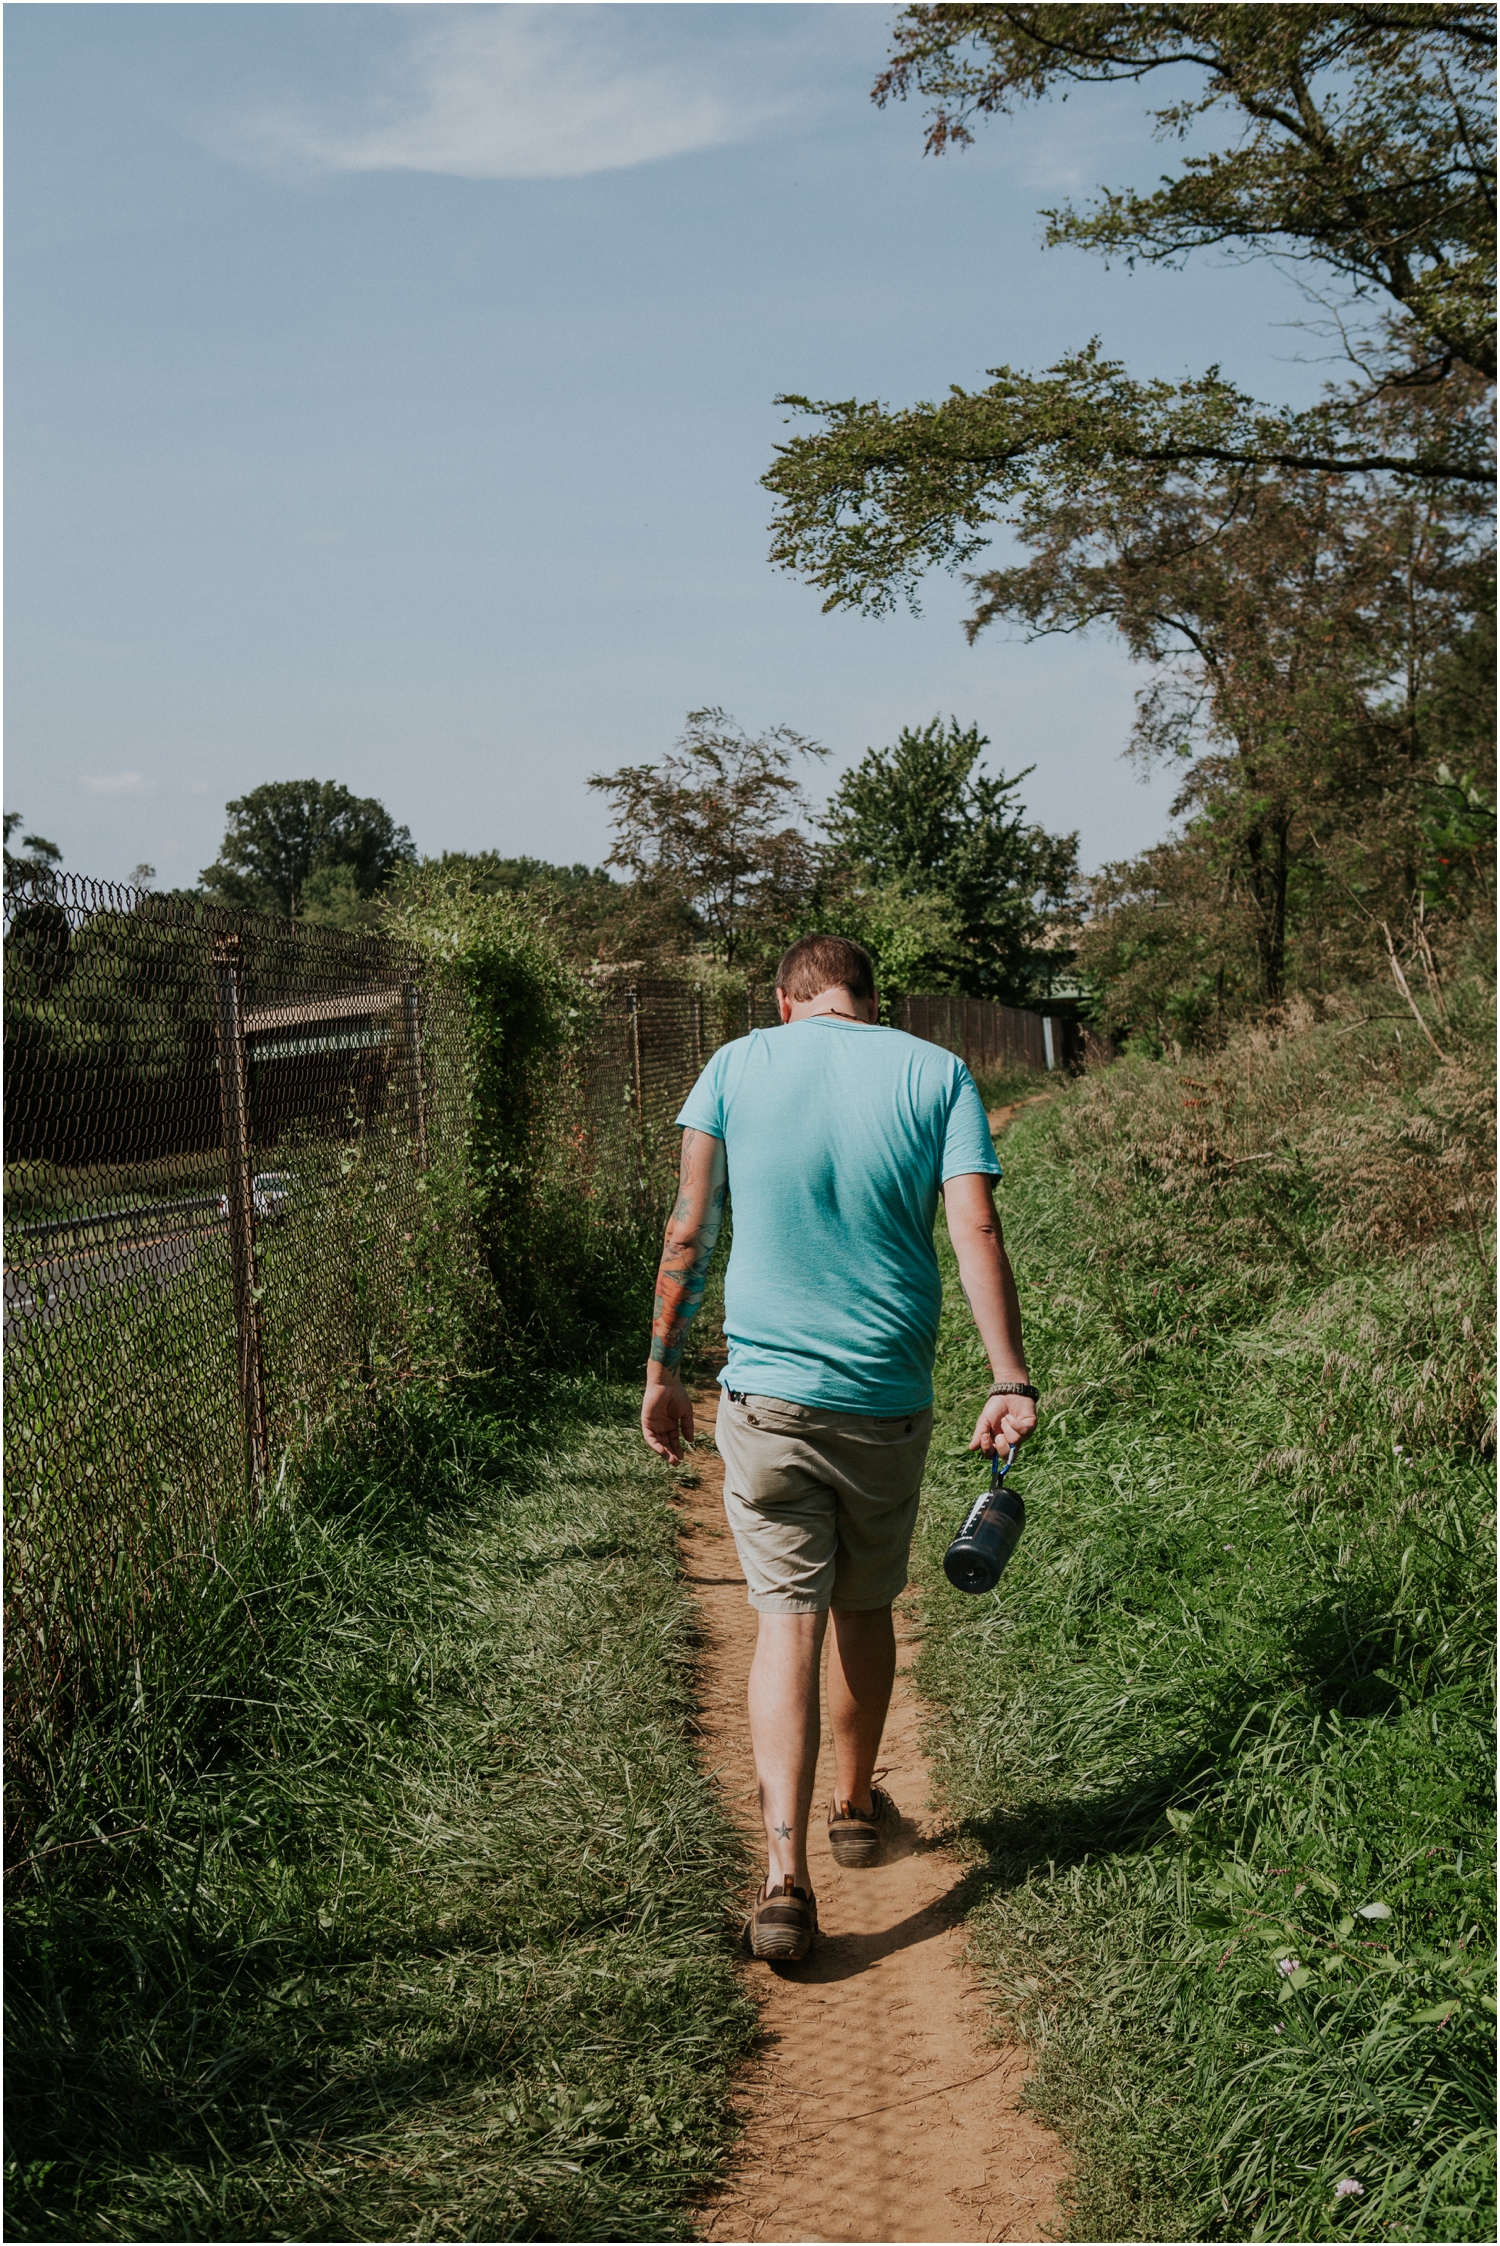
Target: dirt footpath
[
  {"x": 999, "y": 1117},
  {"x": 875, "y": 2108}
]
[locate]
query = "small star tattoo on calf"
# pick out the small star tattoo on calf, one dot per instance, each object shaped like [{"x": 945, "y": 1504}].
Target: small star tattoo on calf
[{"x": 783, "y": 1832}]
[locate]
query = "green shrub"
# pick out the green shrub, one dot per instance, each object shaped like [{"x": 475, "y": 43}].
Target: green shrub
[{"x": 566, "y": 1212}]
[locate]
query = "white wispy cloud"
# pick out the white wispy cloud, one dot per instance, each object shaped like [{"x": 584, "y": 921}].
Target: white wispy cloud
[
  {"x": 114, "y": 783},
  {"x": 516, "y": 92}
]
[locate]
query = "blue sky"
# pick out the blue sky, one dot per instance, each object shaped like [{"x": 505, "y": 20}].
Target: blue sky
[{"x": 388, "y": 390}]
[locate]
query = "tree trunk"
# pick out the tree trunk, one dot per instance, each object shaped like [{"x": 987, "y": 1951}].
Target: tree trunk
[{"x": 1266, "y": 849}]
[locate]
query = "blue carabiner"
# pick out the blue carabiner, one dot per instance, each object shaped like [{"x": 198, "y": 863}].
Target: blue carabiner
[{"x": 997, "y": 1471}]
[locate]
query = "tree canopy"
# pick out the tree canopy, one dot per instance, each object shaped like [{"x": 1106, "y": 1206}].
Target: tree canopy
[
  {"x": 1363, "y": 150},
  {"x": 922, "y": 820},
  {"x": 1298, "y": 634},
  {"x": 714, "y": 827},
  {"x": 589, "y": 914},
  {"x": 295, "y": 844},
  {"x": 41, "y": 856}
]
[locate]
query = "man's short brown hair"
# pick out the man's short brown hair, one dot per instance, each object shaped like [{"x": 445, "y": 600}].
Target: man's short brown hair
[{"x": 817, "y": 963}]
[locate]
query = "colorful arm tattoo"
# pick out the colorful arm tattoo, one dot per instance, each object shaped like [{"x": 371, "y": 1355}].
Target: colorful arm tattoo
[{"x": 692, "y": 1233}]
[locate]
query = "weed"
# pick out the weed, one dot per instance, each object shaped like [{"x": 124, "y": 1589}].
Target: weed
[{"x": 1221, "y": 1744}]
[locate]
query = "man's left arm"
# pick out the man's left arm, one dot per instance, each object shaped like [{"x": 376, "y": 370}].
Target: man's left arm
[
  {"x": 989, "y": 1284},
  {"x": 692, "y": 1233}
]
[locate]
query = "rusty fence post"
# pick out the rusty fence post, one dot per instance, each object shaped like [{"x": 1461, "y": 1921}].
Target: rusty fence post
[
  {"x": 239, "y": 1194},
  {"x": 637, "y": 1091},
  {"x": 633, "y": 1000},
  {"x": 416, "y": 1105}
]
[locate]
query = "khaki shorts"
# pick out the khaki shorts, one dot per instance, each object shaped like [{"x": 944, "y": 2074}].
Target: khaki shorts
[{"x": 821, "y": 1504}]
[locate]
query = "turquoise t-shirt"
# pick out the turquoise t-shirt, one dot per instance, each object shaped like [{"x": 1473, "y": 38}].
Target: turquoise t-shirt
[{"x": 838, "y": 1137}]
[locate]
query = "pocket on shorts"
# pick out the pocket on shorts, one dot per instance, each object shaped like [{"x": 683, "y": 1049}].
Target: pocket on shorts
[
  {"x": 890, "y": 1434},
  {"x": 775, "y": 1414}
]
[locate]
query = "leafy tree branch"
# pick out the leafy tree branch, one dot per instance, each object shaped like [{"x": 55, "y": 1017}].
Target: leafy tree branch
[
  {"x": 1361, "y": 144},
  {"x": 1363, "y": 137},
  {"x": 876, "y": 498}
]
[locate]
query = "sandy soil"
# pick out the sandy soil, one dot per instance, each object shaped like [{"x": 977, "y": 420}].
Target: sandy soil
[{"x": 875, "y": 2108}]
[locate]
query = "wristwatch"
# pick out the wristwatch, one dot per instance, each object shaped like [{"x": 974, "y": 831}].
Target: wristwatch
[{"x": 1015, "y": 1388}]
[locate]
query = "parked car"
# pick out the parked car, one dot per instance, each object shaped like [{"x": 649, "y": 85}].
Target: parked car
[{"x": 270, "y": 1192}]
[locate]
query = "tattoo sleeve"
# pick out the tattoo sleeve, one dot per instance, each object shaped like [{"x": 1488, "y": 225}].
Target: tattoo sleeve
[{"x": 692, "y": 1234}]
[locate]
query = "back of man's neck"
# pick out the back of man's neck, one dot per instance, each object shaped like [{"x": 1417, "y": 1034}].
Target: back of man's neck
[{"x": 835, "y": 1003}]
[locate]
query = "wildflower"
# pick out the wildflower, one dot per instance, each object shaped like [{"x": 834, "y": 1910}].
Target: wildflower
[
  {"x": 1288, "y": 1965},
  {"x": 1348, "y": 2187}
]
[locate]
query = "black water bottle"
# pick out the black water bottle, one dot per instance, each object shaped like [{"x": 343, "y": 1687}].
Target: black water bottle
[{"x": 975, "y": 1560}]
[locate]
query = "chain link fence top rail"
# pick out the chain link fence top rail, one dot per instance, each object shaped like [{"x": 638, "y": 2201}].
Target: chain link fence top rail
[{"x": 217, "y": 1126}]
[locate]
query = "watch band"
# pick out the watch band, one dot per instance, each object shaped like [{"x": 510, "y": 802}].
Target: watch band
[{"x": 1015, "y": 1388}]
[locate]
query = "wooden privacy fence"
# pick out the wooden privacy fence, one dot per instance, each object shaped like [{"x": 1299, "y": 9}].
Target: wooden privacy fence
[
  {"x": 986, "y": 1036},
  {"x": 650, "y": 1038},
  {"x": 993, "y": 1037}
]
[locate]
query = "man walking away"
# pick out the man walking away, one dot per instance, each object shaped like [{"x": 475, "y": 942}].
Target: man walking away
[{"x": 835, "y": 1137}]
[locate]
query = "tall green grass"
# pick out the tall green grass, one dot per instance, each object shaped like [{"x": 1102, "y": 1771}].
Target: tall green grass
[
  {"x": 381, "y": 1897},
  {"x": 1221, "y": 1744}
]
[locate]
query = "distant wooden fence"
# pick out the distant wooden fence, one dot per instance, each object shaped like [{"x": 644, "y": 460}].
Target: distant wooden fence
[
  {"x": 989, "y": 1037},
  {"x": 984, "y": 1035}
]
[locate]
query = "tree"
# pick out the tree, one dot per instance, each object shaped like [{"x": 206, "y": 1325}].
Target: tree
[
  {"x": 911, "y": 936},
  {"x": 282, "y": 836},
  {"x": 38, "y": 937},
  {"x": 41, "y": 861},
  {"x": 489, "y": 875},
  {"x": 713, "y": 829},
  {"x": 1321, "y": 666},
  {"x": 592, "y": 916},
  {"x": 922, "y": 819},
  {"x": 1363, "y": 148},
  {"x": 1295, "y": 627}
]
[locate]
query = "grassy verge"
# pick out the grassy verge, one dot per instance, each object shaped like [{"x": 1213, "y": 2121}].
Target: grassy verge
[
  {"x": 384, "y": 1898},
  {"x": 1221, "y": 1744},
  {"x": 1000, "y": 1087}
]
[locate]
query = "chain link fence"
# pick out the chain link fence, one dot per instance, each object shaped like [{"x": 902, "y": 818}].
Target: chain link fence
[
  {"x": 643, "y": 1052},
  {"x": 234, "y": 1209},
  {"x": 217, "y": 1133}
]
